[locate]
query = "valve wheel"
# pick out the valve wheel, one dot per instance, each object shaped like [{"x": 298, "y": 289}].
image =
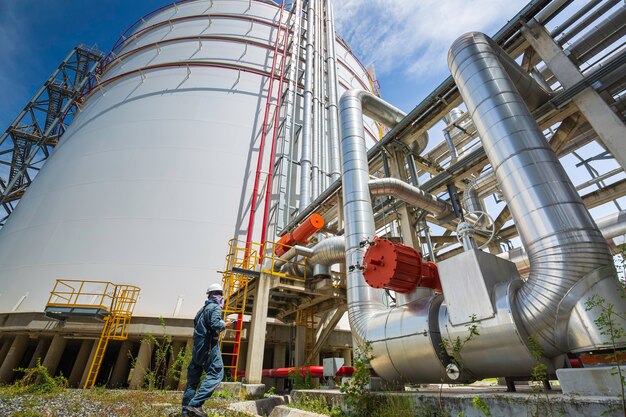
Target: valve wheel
[{"x": 483, "y": 225}]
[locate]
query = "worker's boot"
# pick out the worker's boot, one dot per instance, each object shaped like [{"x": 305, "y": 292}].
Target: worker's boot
[{"x": 195, "y": 411}]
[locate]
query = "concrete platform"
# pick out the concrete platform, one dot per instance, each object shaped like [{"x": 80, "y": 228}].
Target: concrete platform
[
  {"x": 457, "y": 400},
  {"x": 591, "y": 381}
]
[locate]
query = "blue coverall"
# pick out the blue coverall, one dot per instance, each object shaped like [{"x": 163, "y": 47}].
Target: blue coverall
[{"x": 205, "y": 355}]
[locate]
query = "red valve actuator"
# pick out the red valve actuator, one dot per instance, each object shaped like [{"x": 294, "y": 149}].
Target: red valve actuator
[{"x": 400, "y": 268}]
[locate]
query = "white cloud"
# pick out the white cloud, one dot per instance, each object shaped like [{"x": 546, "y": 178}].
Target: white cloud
[{"x": 412, "y": 37}]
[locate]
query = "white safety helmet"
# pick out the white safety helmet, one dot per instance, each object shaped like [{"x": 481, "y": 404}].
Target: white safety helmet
[{"x": 214, "y": 288}]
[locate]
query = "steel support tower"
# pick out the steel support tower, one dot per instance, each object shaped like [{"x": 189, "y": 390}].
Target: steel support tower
[{"x": 28, "y": 141}]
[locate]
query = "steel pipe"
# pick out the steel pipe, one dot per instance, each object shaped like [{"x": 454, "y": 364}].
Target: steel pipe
[
  {"x": 477, "y": 188},
  {"x": 568, "y": 254},
  {"x": 411, "y": 195},
  {"x": 333, "y": 111},
  {"x": 305, "y": 156}
]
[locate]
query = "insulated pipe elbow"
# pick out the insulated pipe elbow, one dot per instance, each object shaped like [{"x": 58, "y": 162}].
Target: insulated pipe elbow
[
  {"x": 480, "y": 186},
  {"x": 568, "y": 254},
  {"x": 411, "y": 195}
]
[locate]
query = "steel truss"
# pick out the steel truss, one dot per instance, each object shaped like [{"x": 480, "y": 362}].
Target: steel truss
[{"x": 28, "y": 141}]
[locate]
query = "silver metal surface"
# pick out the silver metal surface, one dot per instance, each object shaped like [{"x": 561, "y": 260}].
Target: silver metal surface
[
  {"x": 406, "y": 343},
  {"x": 411, "y": 195},
  {"x": 306, "y": 140},
  {"x": 333, "y": 110},
  {"x": 468, "y": 280},
  {"x": 555, "y": 227},
  {"x": 500, "y": 349}
]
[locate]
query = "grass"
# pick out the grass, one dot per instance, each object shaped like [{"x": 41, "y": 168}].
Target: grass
[{"x": 100, "y": 402}]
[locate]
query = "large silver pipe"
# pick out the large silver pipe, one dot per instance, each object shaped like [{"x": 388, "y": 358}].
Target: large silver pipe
[
  {"x": 611, "y": 226},
  {"x": 333, "y": 111},
  {"x": 411, "y": 195},
  {"x": 329, "y": 251},
  {"x": 363, "y": 300},
  {"x": 480, "y": 186},
  {"x": 568, "y": 254},
  {"x": 305, "y": 157},
  {"x": 405, "y": 340}
]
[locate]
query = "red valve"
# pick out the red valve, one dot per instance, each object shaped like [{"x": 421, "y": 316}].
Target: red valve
[{"x": 394, "y": 266}]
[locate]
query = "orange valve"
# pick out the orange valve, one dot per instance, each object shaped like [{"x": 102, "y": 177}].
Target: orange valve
[{"x": 300, "y": 235}]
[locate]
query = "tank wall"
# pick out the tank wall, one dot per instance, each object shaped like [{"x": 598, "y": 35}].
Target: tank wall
[{"x": 154, "y": 175}]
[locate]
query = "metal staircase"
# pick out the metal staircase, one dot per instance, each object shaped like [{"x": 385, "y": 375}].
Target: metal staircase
[
  {"x": 28, "y": 141},
  {"x": 113, "y": 303}
]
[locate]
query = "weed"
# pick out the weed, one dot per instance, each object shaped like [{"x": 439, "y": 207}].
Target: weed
[
  {"x": 608, "y": 324},
  {"x": 480, "y": 405},
  {"x": 37, "y": 380}
]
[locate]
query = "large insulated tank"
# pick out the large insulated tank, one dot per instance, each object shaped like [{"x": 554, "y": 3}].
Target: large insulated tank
[{"x": 154, "y": 175}]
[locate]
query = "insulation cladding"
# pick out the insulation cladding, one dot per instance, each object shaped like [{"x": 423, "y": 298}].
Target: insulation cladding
[{"x": 154, "y": 176}]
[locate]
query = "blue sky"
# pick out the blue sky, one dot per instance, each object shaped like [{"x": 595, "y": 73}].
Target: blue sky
[{"x": 407, "y": 46}]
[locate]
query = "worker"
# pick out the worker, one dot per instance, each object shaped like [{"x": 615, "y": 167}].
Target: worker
[{"x": 206, "y": 355}]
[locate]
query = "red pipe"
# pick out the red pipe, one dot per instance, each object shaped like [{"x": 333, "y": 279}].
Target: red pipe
[
  {"x": 314, "y": 371},
  {"x": 259, "y": 163},
  {"x": 270, "y": 171}
]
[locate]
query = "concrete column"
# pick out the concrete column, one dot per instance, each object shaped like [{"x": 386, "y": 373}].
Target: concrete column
[
  {"x": 300, "y": 346},
  {"x": 256, "y": 340},
  {"x": 6, "y": 345},
  {"x": 78, "y": 369},
  {"x": 183, "y": 373},
  {"x": 280, "y": 352},
  {"x": 121, "y": 369},
  {"x": 40, "y": 351},
  {"x": 346, "y": 354},
  {"x": 144, "y": 357},
  {"x": 92, "y": 354},
  {"x": 55, "y": 351},
  {"x": 604, "y": 121},
  {"x": 14, "y": 357},
  {"x": 170, "y": 381}
]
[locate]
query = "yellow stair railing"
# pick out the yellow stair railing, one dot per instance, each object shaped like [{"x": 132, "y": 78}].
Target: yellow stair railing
[
  {"x": 113, "y": 302},
  {"x": 242, "y": 264}
]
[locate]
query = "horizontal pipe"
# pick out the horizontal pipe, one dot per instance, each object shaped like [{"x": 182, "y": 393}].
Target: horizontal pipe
[
  {"x": 411, "y": 195},
  {"x": 314, "y": 371}
]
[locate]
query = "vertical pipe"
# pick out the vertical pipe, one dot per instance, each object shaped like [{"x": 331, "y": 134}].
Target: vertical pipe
[
  {"x": 305, "y": 157},
  {"x": 333, "y": 111},
  {"x": 288, "y": 143},
  {"x": 281, "y": 79},
  {"x": 316, "y": 89},
  {"x": 268, "y": 103}
]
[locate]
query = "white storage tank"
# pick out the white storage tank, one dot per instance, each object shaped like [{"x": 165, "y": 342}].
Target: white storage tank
[{"x": 154, "y": 175}]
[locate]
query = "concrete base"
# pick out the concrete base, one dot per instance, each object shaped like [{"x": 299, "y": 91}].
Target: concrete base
[
  {"x": 284, "y": 411},
  {"x": 244, "y": 391},
  {"x": 602, "y": 381},
  {"x": 261, "y": 407},
  {"x": 460, "y": 401}
]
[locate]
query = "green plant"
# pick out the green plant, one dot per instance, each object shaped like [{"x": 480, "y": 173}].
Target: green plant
[
  {"x": 37, "y": 380},
  {"x": 539, "y": 375},
  {"x": 480, "y": 405},
  {"x": 454, "y": 347},
  {"x": 607, "y": 322},
  {"x": 358, "y": 398},
  {"x": 300, "y": 381},
  {"x": 312, "y": 404},
  {"x": 269, "y": 392}
]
